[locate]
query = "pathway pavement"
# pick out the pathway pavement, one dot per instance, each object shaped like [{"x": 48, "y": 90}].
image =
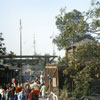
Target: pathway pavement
[{"x": 42, "y": 99}]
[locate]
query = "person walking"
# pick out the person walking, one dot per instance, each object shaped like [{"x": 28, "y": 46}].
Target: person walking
[
  {"x": 43, "y": 90},
  {"x": 36, "y": 92},
  {"x": 32, "y": 95},
  {"x": 15, "y": 96},
  {"x": 3, "y": 95},
  {"x": 23, "y": 95},
  {"x": 9, "y": 94}
]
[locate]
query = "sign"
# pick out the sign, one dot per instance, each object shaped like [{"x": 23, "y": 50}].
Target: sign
[{"x": 54, "y": 82}]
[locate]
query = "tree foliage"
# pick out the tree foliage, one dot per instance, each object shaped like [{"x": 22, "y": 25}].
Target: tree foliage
[
  {"x": 80, "y": 70},
  {"x": 11, "y": 54},
  {"x": 84, "y": 69},
  {"x": 71, "y": 26},
  {"x": 93, "y": 17},
  {"x": 2, "y": 47},
  {"x": 62, "y": 64},
  {"x": 87, "y": 66}
]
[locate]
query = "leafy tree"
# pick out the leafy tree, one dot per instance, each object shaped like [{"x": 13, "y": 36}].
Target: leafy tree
[
  {"x": 84, "y": 69},
  {"x": 2, "y": 48},
  {"x": 88, "y": 36},
  {"x": 71, "y": 26},
  {"x": 61, "y": 67},
  {"x": 93, "y": 17},
  {"x": 11, "y": 54}
]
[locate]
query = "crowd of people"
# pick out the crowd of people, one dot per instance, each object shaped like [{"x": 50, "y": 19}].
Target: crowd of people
[{"x": 23, "y": 91}]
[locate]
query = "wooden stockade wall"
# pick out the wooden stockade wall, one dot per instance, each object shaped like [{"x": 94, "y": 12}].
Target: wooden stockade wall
[{"x": 51, "y": 77}]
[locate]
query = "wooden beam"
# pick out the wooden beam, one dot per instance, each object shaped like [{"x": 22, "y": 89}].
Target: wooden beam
[{"x": 26, "y": 56}]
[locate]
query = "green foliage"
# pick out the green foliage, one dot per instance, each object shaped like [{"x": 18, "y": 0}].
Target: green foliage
[
  {"x": 2, "y": 48},
  {"x": 71, "y": 26},
  {"x": 80, "y": 72},
  {"x": 83, "y": 69},
  {"x": 64, "y": 94},
  {"x": 11, "y": 54},
  {"x": 88, "y": 36},
  {"x": 88, "y": 56},
  {"x": 93, "y": 17},
  {"x": 62, "y": 64}
]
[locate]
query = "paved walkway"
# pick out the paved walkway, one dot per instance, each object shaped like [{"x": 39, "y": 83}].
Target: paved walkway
[{"x": 42, "y": 99}]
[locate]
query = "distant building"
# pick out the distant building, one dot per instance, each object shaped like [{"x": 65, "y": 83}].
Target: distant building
[
  {"x": 95, "y": 84},
  {"x": 7, "y": 72},
  {"x": 74, "y": 46},
  {"x": 28, "y": 71}
]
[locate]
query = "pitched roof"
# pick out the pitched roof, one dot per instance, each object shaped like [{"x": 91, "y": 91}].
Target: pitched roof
[{"x": 84, "y": 41}]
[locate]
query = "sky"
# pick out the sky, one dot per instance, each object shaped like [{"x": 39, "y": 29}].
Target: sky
[{"x": 37, "y": 17}]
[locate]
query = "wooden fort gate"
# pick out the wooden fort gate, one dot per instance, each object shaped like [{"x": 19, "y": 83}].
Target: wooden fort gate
[{"x": 51, "y": 77}]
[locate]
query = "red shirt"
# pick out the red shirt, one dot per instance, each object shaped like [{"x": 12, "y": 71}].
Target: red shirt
[
  {"x": 31, "y": 95},
  {"x": 36, "y": 92}
]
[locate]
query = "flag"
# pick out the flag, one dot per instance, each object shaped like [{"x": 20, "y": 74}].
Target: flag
[{"x": 20, "y": 28}]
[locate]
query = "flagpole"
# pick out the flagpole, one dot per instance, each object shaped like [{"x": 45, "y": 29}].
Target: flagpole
[
  {"x": 20, "y": 39},
  {"x": 21, "y": 50}
]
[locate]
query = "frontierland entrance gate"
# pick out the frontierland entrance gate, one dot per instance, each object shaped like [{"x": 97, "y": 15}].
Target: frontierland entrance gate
[{"x": 16, "y": 59}]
